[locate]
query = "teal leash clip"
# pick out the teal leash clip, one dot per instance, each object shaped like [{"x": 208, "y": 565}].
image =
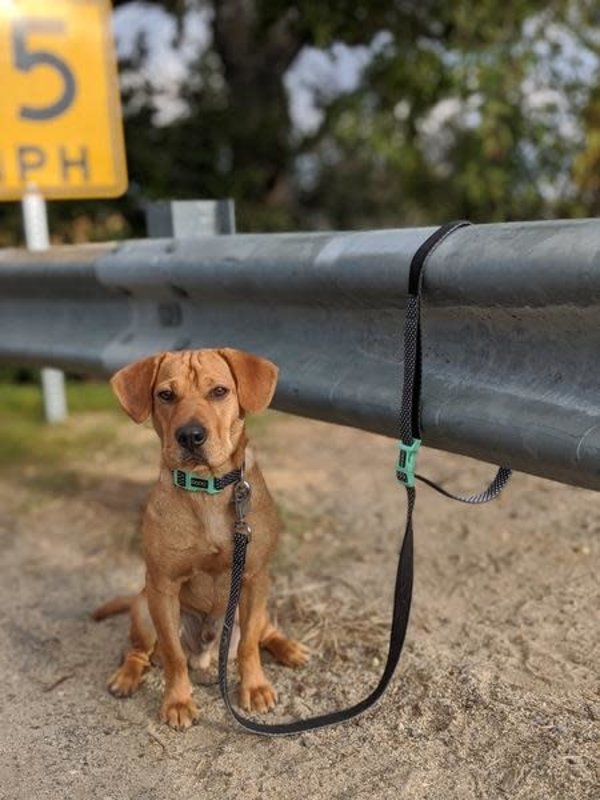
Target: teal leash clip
[{"x": 407, "y": 462}]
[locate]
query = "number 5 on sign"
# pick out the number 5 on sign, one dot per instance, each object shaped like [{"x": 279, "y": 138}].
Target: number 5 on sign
[{"x": 60, "y": 117}]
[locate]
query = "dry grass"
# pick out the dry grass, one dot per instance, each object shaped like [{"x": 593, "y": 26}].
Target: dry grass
[{"x": 332, "y": 627}]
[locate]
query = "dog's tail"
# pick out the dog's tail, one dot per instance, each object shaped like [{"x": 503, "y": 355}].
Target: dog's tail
[{"x": 118, "y": 605}]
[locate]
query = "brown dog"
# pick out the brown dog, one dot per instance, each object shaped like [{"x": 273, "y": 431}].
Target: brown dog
[{"x": 198, "y": 401}]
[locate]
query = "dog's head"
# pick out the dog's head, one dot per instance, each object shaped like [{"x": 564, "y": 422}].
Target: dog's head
[{"x": 198, "y": 400}]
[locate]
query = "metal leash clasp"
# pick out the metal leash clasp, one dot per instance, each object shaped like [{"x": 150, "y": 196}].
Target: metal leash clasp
[{"x": 241, "y": 501}]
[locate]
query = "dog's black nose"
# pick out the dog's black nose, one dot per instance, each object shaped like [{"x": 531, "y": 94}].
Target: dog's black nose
[{"x": 191, "y": 436}]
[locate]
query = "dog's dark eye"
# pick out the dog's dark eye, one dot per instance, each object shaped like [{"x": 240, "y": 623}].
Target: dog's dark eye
[
  {"x": 218, "y": 391},
  {"x": 166, "y": 395}
]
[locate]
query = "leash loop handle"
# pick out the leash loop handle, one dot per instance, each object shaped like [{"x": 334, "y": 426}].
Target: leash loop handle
[{"x": 410, "y": 414}]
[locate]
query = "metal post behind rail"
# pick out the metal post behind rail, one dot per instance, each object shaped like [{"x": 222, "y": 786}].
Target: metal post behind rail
[
  {"x": 182, "y": 219},
  {"x": 37, "y": 238}
]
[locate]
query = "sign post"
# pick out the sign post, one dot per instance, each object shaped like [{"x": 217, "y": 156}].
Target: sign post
[{"x": 61, "y": 133}]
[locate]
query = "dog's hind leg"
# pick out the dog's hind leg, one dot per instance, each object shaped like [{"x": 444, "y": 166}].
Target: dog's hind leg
[
  {"x": 127, "y": 679},
  {"x": 285, "y": 651}
]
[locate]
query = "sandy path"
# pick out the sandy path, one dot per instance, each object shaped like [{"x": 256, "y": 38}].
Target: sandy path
[{"x": 497, "y": 694}]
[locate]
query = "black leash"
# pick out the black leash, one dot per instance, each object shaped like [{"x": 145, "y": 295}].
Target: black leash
[{"x": 410, "y": 434}]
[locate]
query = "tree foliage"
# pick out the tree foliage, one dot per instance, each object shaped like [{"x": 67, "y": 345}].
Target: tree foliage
[{"x": 481, "y": 110}]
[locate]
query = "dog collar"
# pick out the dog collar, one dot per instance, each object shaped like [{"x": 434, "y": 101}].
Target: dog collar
[{"x": 194, "y": 483}]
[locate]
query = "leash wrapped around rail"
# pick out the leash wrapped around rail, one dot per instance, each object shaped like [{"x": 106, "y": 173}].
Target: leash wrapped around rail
[{"x": 410, "y": 440}]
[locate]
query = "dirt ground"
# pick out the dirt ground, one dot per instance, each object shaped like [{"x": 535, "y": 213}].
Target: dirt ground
[{"x": 497, "y": 694}]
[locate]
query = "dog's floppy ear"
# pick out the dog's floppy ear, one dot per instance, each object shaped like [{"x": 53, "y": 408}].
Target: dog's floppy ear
[
  {"x": 255, "y": 377},
  {"x": 133, "y": 386}
]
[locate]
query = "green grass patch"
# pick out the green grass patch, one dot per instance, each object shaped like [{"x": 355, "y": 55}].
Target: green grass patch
[
  {"x": 91, "y": 397},
  {"x": 25, "y": 437},
  {"x": 27, "y": 441},
  {"x": 25, "y": 400},
  {"x": 19, "y": 401}
]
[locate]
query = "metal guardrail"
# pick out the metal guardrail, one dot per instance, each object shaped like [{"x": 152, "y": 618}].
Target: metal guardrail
[{"x": 511, "y": 326}]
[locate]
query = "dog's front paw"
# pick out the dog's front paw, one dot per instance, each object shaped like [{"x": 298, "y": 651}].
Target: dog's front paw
[
  {"x": 180, "y": 715},
  {"x": 261, "y": 698}
]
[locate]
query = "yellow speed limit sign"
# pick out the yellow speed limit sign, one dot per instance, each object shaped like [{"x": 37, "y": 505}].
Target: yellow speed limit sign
[{"x": 60, "y": 117}]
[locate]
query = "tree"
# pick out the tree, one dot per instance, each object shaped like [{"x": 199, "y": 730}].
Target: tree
[
  {"x": 462, "y": 110},
  {"x": 482, "y": 123},
  {"x": 239, "y": 119}
]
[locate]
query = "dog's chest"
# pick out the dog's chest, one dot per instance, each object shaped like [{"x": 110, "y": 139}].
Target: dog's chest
[
  {"x": 211, "y": 533},
  {"x": 209, "y": 560}
]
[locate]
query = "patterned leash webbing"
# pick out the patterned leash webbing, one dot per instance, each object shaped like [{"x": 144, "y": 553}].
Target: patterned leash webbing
[
  {"x": 409, "y": 434},
  {"x": 490, "y": 493},
  {"x": 402, "y": 597},
  {"x": 410, "y": 421}
]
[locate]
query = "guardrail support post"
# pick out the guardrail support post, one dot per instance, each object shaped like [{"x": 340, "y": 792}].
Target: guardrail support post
[
  {"x": 183, "y": 219},
  {"x": 37, "y": 239}
]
